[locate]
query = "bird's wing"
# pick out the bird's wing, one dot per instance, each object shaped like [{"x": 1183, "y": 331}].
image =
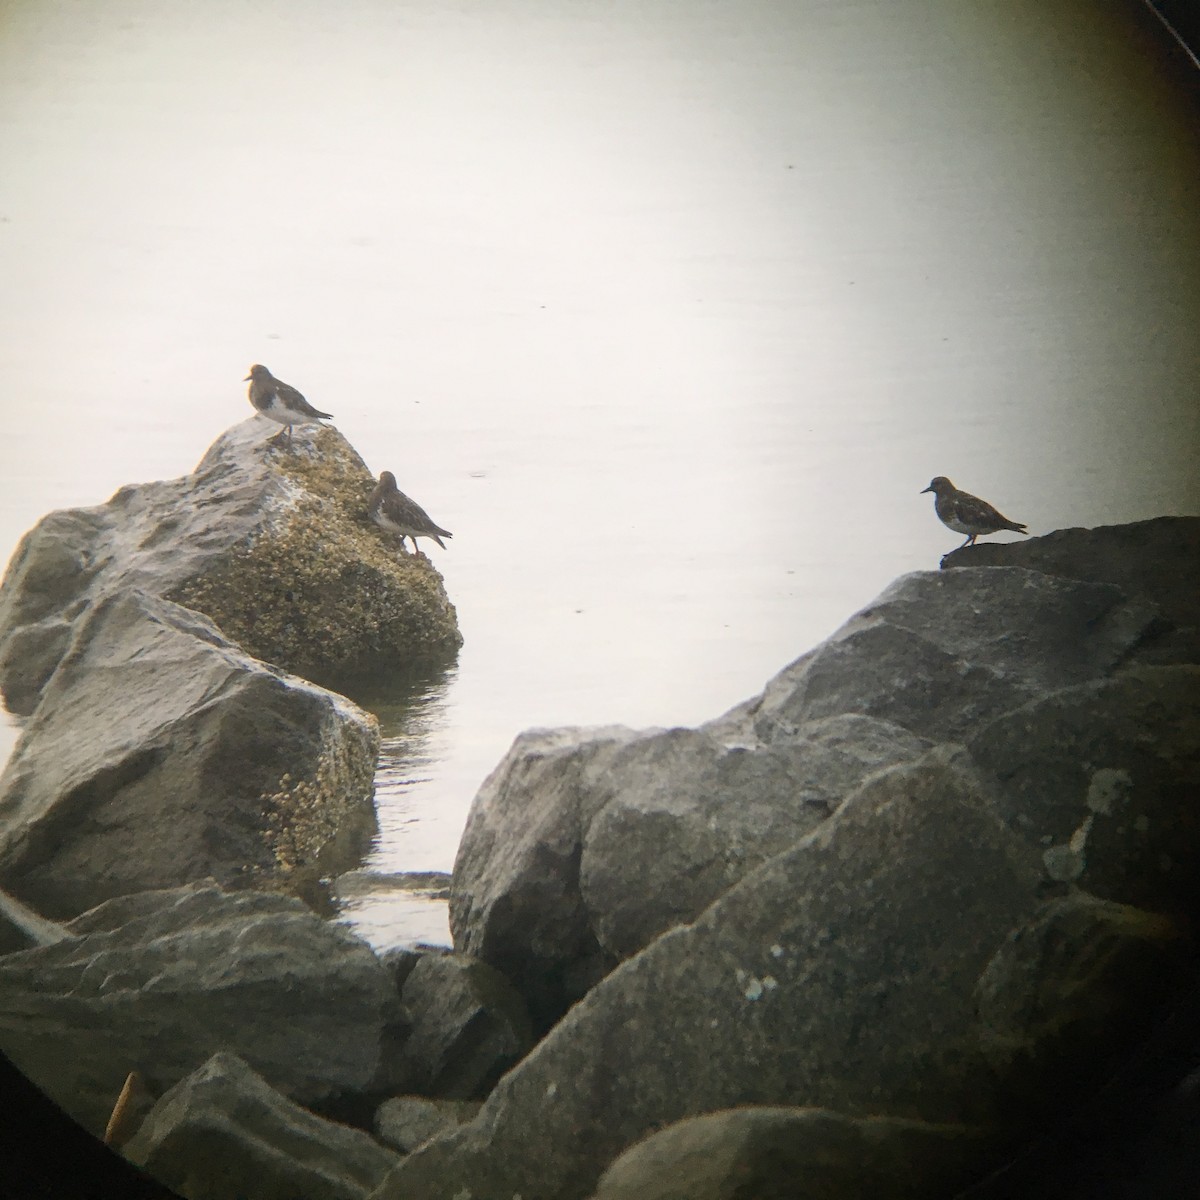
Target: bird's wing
[
  {"x": 970, "y": 510},
  {"x": 408, "y": 512},
  {"x": 293, "y": 399}
]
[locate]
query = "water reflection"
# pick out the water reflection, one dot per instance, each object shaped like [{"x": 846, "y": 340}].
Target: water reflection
[{"x": 418, "y": 828}]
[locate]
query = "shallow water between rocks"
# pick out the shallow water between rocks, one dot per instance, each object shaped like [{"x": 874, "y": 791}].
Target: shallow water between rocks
[{"x": 667, "y": 311}]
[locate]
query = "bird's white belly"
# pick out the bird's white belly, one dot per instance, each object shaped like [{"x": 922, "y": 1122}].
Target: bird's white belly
[
  {"x": 386, "y": 522},
  {"x": 284, "y": 415},
  {"x": 957, "y": 525}
]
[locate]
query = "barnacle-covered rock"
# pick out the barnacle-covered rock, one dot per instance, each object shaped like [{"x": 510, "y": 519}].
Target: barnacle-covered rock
[
  {"x": 316, "y": 587},
  {"x": 275, "y": 546},
  {"x": 157, "y": 642},
  {"x": 161, "y": 754}
]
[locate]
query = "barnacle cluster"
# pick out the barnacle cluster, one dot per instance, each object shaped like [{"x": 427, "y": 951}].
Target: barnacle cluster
[
  {"x": 321, "y": 823},
  {"x": 318, "y": 589}
]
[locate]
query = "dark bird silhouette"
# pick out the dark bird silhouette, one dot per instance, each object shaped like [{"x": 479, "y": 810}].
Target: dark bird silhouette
[
  {"x": 392, "y": 510},
  {"x": 280, "y": 401},
  {"x": 965, "y": 513}
]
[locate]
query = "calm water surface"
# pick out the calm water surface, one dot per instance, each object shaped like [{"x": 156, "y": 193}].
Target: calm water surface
[{"x": 667, "y": 310}]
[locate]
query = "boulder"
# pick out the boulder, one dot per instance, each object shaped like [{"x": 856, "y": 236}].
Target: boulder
[
  {"x": 795, "y": 1154},
  {"x": 467, "y": 1026},
  {"x": 1068, "y": 992},
  {"x": 408, "y": 1122},
  {"x": 939, "y": 652},
  {"x": 223, "y": 1133},
  {"x": 837, "y": 974},
  {"x": 1157, "y": 559},
  {"x": 274, "y": 546},
  {"x": 1101, "y": 779},
  {"x": 582, "y": 847},
  {"x": 908, "y": 940},
  {"x": 161, "y": 754},
  {"x": 158, "y": 982}
]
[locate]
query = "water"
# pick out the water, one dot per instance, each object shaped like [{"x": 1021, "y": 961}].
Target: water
[{"x": 668, "y": 311}]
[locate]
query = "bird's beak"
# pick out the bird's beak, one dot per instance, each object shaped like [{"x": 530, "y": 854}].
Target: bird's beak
[
  {"x": 247, "y": 380},
  {"x": 924, "y": 490}
]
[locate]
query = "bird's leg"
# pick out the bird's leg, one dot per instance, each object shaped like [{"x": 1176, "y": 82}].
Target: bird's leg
[{"x": 966, "y": 543}]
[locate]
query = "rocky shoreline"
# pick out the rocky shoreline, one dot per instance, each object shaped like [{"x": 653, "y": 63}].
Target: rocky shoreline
[
  {"x": 151, "y": 642},
  {"x": 869, "y": 933}
]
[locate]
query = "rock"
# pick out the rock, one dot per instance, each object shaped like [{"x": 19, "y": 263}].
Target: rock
[
  {"x": 467, "y": 1027},
  {"x": 1157, "y": 559},
  {"x": 162, "y": 754},
  {"x": 988, "y": 741},
  {"x": 274, "y": 547},
  {"x": 1101, "y": 779},
  {"x": 1067, "y": 993},
  {"x": 795, "y": 1154},
  {"x": 408, "y": 1122},
  {"x": 837, "y": 974},
  {"x": 224, "y": 1133},
  {"x": 157, "y": 982},
  {"x": 939, "y": 652},
  {"x": 683, "y": 817},
  {"x": 583, "y": 846},
  {"x": 514, "y": 896}
]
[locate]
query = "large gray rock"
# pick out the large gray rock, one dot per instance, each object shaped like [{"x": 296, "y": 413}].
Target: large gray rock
[
  {"x": 795, "y": 1154},
  {"x": 842, "y": 967},
  {"x": 583, "y": 846},
  {"x": 408, "y": 1122},
  {"x": 274, "y": 546},
  {"x": 467, "y": 1026},
  {"x": 159, "y": 981},
  {"x": 939, "y": 652},
  {"x": 1158, "y": 559},
  {"x": 223, "y": 1133},
  {"x": 1102, "y": 779},
  {"x": 838, "y": 974},
  {"x": 1068, "y": 992},
  {"x": 161, "y": 753}
]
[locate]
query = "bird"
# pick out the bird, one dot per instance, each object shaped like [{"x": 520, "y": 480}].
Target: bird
[
  {"x": 392, "y": 510},
  {"x": 280, "y": 401},
  {"x": 965, "y": 513}
]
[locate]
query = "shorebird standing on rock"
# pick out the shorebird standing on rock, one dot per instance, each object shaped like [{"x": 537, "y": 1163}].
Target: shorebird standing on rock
[
  {"x": 392, "y": 510},
  {"x": 280, "y": 402},
  {"x": 965, "y": 513}
]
